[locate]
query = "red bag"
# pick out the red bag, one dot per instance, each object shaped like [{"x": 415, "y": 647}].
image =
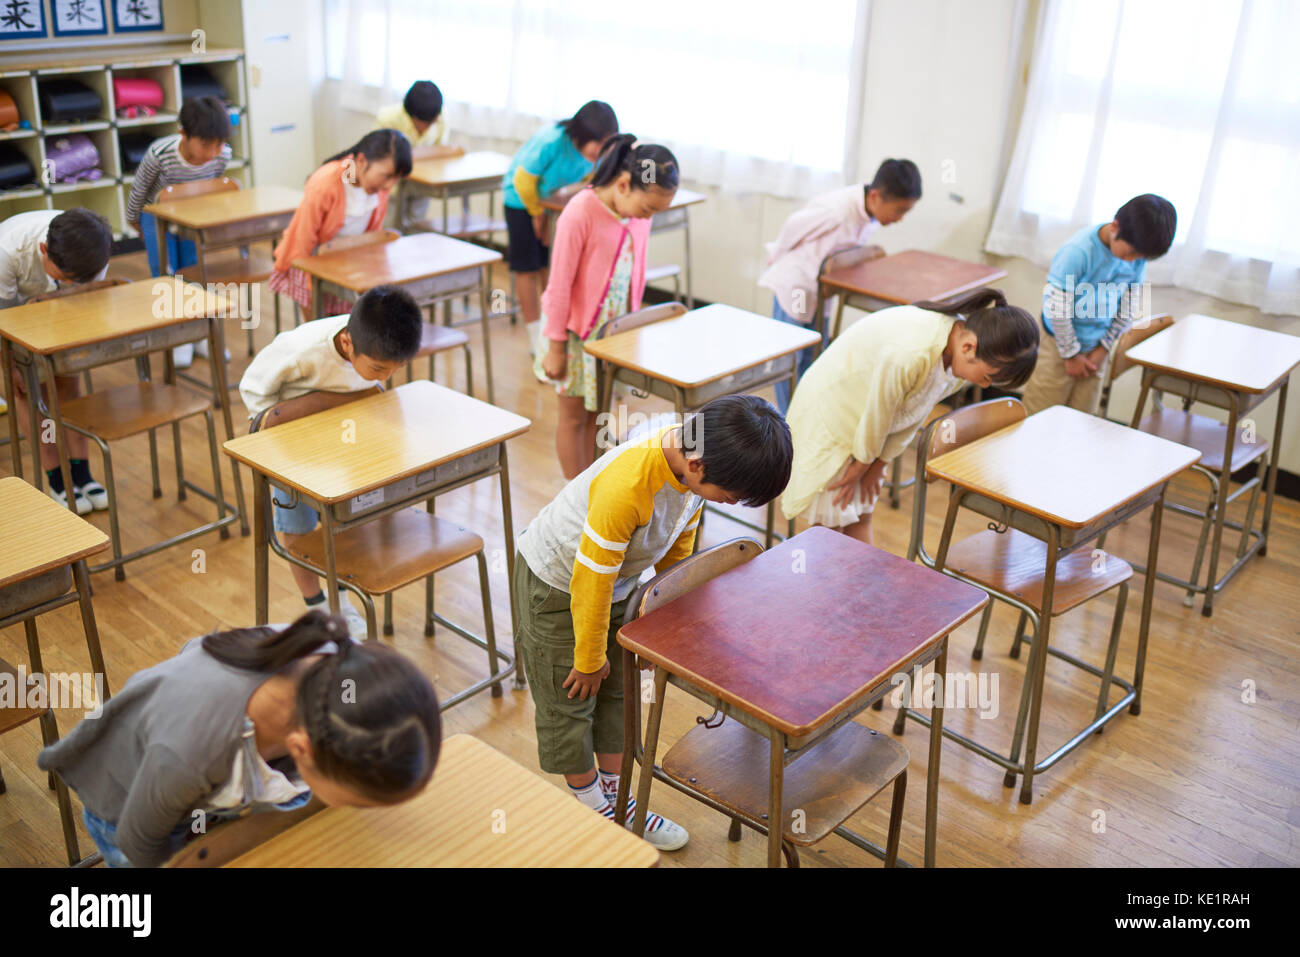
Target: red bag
[
  {"x": 129, "y": 91},
  {"x": 8, "y": 113}
]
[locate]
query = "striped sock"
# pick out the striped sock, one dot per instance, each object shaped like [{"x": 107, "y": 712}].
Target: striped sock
[
  {"x": 609, "y": 784},
  {"x": 592, "y": 796}
]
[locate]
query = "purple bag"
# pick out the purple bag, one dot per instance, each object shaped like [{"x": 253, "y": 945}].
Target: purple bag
[{"x": 72, "y": 157}]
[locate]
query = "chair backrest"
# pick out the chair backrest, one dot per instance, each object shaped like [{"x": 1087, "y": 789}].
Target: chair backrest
[
  {"x": 642, "y": 317},
  {"x": 361, "y": 239},
  {"x": 948, "y": 432},
  {"x": 230, "y": 839},
  {"x": 1119, "y": 360},
  {"x": 79, "y": 289},
  {"x": 304, "y": 405},
  {"x": 692, "y": 572},
  {"x": 848, "y": 258},
  {"x": 199, "y": 187}
]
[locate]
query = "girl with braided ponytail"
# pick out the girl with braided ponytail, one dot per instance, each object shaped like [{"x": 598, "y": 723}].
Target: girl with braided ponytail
[
  {"x": 598, "y": 264},
  {"x": 863, "y": 399},
  {"x": 252, "y": 719}
]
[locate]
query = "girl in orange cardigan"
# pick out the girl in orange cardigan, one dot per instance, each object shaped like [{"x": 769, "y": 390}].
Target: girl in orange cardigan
[{"x": 347, "y": 196}]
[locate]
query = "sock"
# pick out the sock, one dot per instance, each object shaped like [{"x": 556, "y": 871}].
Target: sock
[
  {"x": 80, "y": 473},
  {"x": 609, "y": 785},
  {"x": 55, "y": 478},
  {"x": 593, "y": 797},
  {"x": 316, "y": 599}
]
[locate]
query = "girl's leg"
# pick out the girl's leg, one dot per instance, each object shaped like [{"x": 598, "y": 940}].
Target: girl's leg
[
  {"x": 306, "y": 581},
  {"x": 528, "y": 289},
  {"x": 589, "y": 440},
  {"x": 861, "y": 530},
  {"x": 571, "y": 430}
]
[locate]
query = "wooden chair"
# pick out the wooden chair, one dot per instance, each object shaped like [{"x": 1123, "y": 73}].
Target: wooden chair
[
  {"x": 384, "y": 554},
  {"x": 1011, "y": 565},
  {"x": 843, "y": 259},
  {"x": 725, "y": 765},
  {"x": 244, "y": 266},
  {"x": 1119, "y": 360},
  {"x": 231, "y": 839}
]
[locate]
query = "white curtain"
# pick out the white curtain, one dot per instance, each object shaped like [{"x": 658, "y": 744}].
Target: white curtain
[
  {"x": 1196, "y": 100},
  {"x": 749, "y": 94}
]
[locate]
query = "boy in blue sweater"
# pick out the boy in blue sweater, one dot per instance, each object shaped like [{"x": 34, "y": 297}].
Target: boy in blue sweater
[{"x": 1093, "y": 294}]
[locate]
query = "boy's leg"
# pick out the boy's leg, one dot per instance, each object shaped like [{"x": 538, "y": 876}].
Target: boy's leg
[
  {"x": 1050, "y": 384},
  {"x": 803, "y": 358},
  {"x": 149, "y": 233}
]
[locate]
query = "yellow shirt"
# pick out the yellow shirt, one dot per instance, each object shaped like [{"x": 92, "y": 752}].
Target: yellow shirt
[{"x": 395, "y": 117}]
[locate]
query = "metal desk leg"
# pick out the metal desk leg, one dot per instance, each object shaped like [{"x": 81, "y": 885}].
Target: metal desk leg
[
  {"x": 690, "y": 273},
  {"x": 164, "y": 266},
  {"x": 508, "y": 527},
  {"x": 217, "y": 347},
  {"x": 1274, "y": 455},
  {"x": 1038, "y": 662},
  {"x": 648, "y": 755},
  {"x": 1148, "y": 591},
  {"x": 839, "y": 315},
  {"x": 487, "y": 336},
  {"x": 631, "y": 731},
  {"x": 1221, "y": 506},
  {"x": 775, "y": 785},
  {"x": 7, "y": 362},
  {"x": 81, "y": 575},
  {"x": 261, "y": 544},
  {"x": 331, "y": 569},
  {"x": 33, "y": 377},
  {"x": 936, "y": 751},
  {"x": 316, "y": 298}
]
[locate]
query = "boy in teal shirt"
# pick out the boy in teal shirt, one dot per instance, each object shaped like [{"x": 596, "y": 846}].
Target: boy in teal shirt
[{"x": 1093, "y": 294}]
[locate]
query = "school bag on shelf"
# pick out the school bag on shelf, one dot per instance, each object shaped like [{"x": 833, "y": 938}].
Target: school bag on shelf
[
  {"x": 197, "y": 80},
  {"x": 8, "y": 113},
  {"x": 16, "y": 170},
  {"x": 137, "y": 96},
  {"x": 72, "y": 157},
  {"x": 68, "y": 101},
  {"x": 134, "y": 146}
]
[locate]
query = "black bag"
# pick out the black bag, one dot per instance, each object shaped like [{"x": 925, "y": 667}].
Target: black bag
[
  {"x": 15, "y": 168},
  {"x": 134, "y": 146},
  {"x": 68, "y": 101},
  {"x": 197, "y": 80}
]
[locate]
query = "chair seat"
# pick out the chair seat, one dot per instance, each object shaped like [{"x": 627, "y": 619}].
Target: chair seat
[
  {"x": 10, "y": 715},
  {"x": 229, "y": 266},
  {"x": 439, "y": 339},
  {"x": 1014, "y": 563},
  {"x": 1206, "y": 435},
  {"x": 128, "y": 410},
  {"x": 458, "y": 225},
  {"x": 655, "y": 273},
  {"x": 730, "y": 764},
  {"x": 389, "y": 552}
]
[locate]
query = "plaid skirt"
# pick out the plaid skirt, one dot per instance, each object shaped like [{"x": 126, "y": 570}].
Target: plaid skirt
[{"x": 296, "y": 284}]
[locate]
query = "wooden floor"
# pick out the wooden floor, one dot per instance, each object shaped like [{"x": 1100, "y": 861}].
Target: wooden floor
[{"x": 1200, "y": 778}]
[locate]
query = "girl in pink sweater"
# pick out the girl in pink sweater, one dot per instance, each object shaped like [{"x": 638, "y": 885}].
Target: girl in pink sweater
[{"x": 598, "y": 261}]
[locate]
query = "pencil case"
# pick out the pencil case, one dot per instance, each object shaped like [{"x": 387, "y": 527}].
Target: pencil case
[
  {"x": 8, "y": 113},
  {"x": 72, "y": 157},
  {"x": 137, "y": 91},
  {"x": 15, "y": 168},
  {"x": 197, "y": 80},
  {"x": 68, "y": 101}
]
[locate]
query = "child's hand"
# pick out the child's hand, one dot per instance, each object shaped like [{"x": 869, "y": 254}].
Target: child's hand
[
  {"x": 1079, "y": 367},
  {"x": 873, "y": 480},
  {"x": 539, "y": 227},
  {"x": 1098, "y": 357},
  {"x": 584, "y": 684},
  {"x": 847, "y": 486},
  {"x": 555, "y": 362}
]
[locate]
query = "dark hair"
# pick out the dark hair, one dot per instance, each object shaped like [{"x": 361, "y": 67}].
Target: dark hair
[
  {"x": 745, "y": 446},
  {"x": 205, "y": 118},
  {"x": 423, "y": 101},
  {"x": 370, "y": 714},
  {"x": 1006, "y": 337},
  {"x": 594, "y": 122},
  {"x": 897, "y": 179},
  {"x": 385, "y": 324},
  {"x": 1147, "y": 223},
  {"x": 646, "y": 164},
  {"x": 378, "y": 145},
  {"x": 79, "y": 242}
]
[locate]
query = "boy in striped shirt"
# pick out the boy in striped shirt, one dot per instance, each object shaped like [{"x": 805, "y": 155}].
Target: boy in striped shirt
[
  {"x": 581, "y": 559},
  {"x": 198, "y": 151}
]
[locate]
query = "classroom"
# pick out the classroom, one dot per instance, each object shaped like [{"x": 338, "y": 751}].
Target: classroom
[{"x": 570, "y": 434}]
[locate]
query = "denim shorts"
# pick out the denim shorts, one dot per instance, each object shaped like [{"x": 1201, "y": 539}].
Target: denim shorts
[
  {"x": 104, "y": 834},
  {"x": 296, "y": 520}
]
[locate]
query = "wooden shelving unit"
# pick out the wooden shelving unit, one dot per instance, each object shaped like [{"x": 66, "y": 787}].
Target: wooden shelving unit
[{"x": 22, "y": 74}]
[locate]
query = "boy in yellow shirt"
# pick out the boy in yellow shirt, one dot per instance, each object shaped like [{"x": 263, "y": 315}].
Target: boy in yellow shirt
[{"x": 581, "y": 559}]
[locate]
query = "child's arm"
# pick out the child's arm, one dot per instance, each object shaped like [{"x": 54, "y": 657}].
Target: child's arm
[
  {"x": 165, "y": 789},
  {"x": 145, "y": 185},
  {"x": 804, "y": 226},
  {"x": 571, "y": 232},
  {"x": 887, "y": 391},
  {"x": 1068, "y": 269},
  {"x": 303, "y": 233},
  {"x": 265, "y": 377},
  {"x": 681, "y": 548},
  {"x": 1126, "y": 313},
  {"x": 9, "y": 295}
]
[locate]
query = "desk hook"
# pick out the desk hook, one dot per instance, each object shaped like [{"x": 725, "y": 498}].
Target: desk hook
[{"x": 709, "y": 722}]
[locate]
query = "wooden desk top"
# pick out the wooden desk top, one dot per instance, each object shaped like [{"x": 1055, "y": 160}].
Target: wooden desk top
[
  {"x": 60, "y": 324},
  {"x": 560, "y": 198},
  {"x": 402, "y": 432},
  {"x": 913, "y": 276},
  {"x": 1230, "y": 354},
  {"x": 703, "y": 345},
  {"x": 39, "y": 534},
  {"x": 222, "y": 209},
  {"x": 480, "y": 810},
  {"x": 806, "y": 629},
  {"x": 483, "y": 165},
  {"x": 405, "y": 260},
  {"x": 1063, "y": 465}
]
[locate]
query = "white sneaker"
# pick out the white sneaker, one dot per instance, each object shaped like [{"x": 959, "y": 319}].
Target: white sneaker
[
  {"x": 83, "y": 503},
  {"x": 201, "y": 349},
  {"x": 96, "y": 494},
  {"x": 663, "y": 833},
  {"x": 183, "y": 356},
  {"x": 356, "y": 621}
]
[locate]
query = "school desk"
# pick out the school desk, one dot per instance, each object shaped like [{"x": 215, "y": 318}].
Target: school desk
[
  {"x": 900, "y": 279},
  {"x": 481, "y": 809},
  {"x": 378, "y": 455},
  {"x": 1064, "y": 477},
  {"x": 1230, "y": 366},
  {"x": 68, "y": 335},
  {"x": 676, "y": 216},
  {"x": 445, "y": 179},
  {"x": 431, "y": 267},
  {"x": 794, "y": 644},
  {"x": 221, "y": 220},
  {"x": 708, "y": 352}
]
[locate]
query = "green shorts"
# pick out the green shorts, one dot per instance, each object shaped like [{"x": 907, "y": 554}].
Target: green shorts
[{"x": 569, "y": 731}]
